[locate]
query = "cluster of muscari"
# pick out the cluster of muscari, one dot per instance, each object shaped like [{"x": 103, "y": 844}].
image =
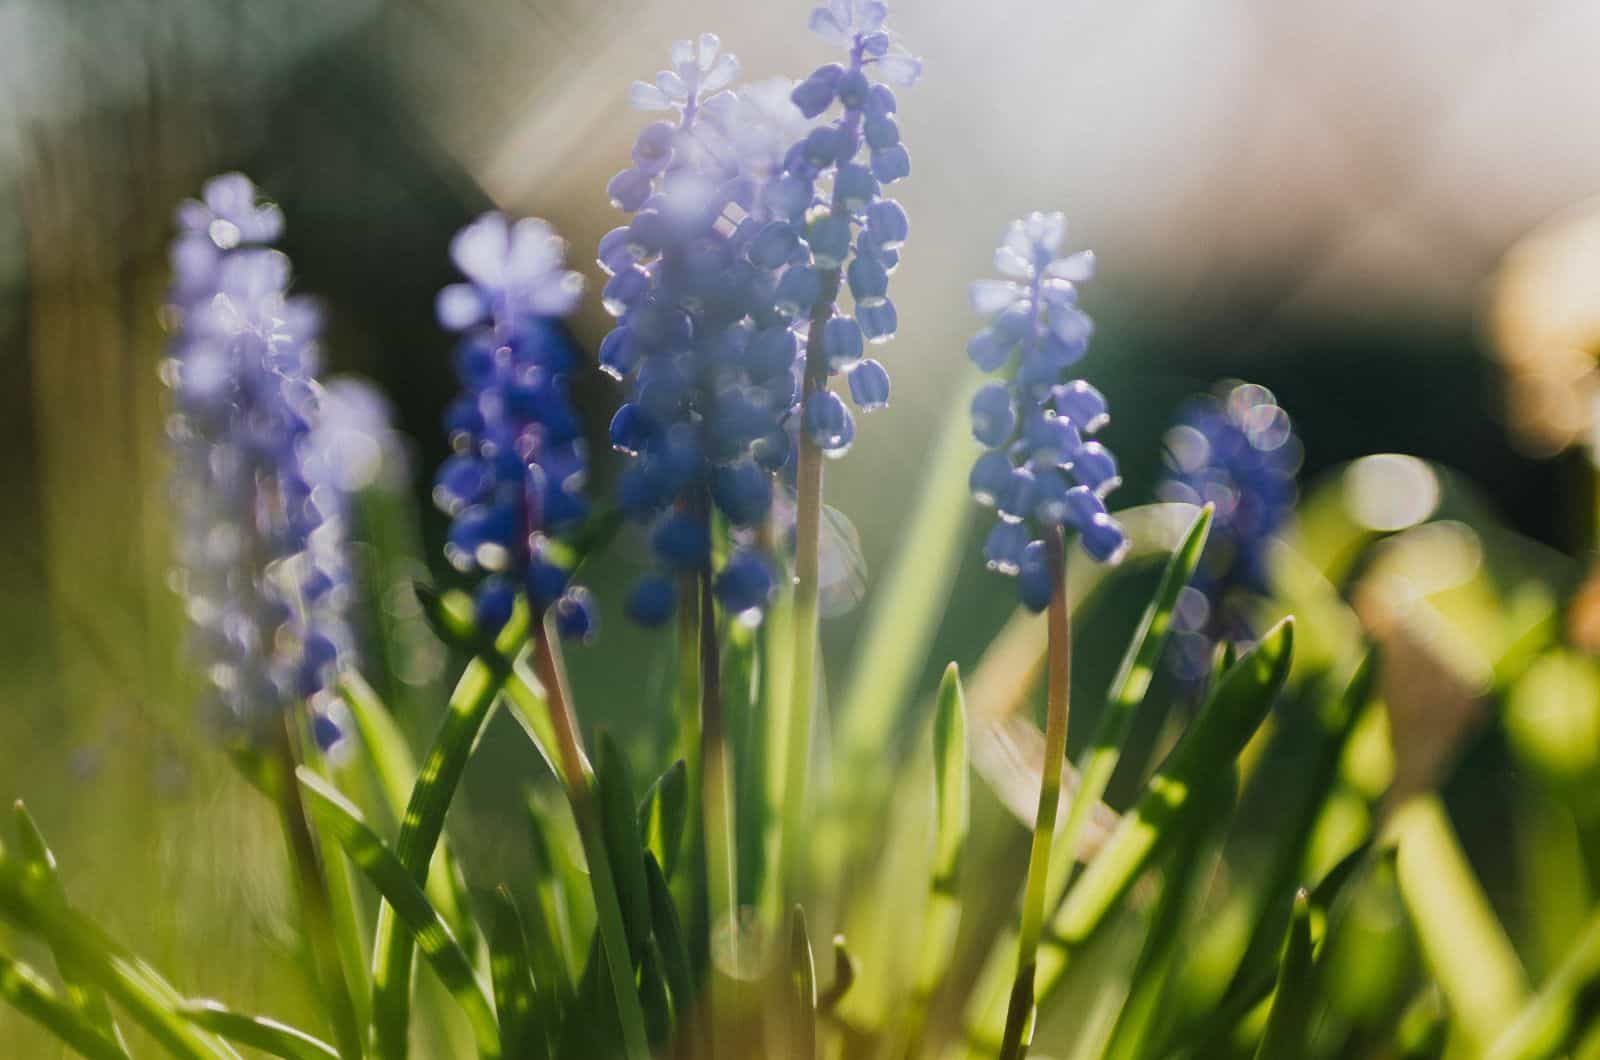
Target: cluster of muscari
[
  {"x": 732, "y": 248},
  {"x": 261, "y": 542},
  {"x": 1039, "y": 472},
  {"x": 1234, "y": 449},
  {"x": 513, "y": 485}
]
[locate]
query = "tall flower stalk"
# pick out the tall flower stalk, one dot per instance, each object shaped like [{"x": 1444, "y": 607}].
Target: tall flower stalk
[
  {"x": 262, "y": 568},
  {"x": 854, "y": 233},
  {"x": 1043, "y": 478},
  {"x": 514, "y": 491}
]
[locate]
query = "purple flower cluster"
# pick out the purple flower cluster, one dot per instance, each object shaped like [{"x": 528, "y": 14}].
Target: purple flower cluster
[
  {"x": 1040, "y": 471},
  {"x": 261, "y": 546},
  {"x": 513, "y": 487},
  {"x": 1235, "y": 449},
  {"x": 746, "y": 209}
]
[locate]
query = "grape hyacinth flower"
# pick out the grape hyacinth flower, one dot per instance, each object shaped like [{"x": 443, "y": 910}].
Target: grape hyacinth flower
[
  {"x": 709, "y": 363},
  {"x": 833, "y": 188},
  {"x": 513, "y": 485},
  {"x": 261, "y": 512},
  {"x": 1235, "y": 449},
  {"x": 1041, "y": 473}
]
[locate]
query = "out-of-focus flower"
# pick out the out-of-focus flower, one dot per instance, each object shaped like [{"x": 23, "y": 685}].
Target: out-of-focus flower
[
  {"x": 1544, "y": 315},
  {"x": 513, "y": 487},
  {"x": 261, "y": 549},
  {"x": 1039, "y": 473},
  {"x": 1234, "y": 449}
]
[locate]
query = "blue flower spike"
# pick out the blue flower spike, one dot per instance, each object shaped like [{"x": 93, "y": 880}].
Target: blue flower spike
[
  {"x": 264, "y": 467},
  {"x": 1040, "y": 470},
  {"x": 513, "y": 487},
  {"x": 1236, "y": 449}
]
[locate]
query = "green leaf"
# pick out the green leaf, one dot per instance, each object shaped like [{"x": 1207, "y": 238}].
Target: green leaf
[
  {"x": 1289, "y": 1023},
  {"x": 1140, "y": 1021},
  {"x": 1462, "y": 943},
  {"x": 26, "y": 900},
  {"x": 515, "y": 992},
  {"x": 1099, "y": 759},
  {"x": 552, "y": 934},
  {"x": 399, "y": 888},
  {"x": 802, "y": 989},
  {"x": 396, "y": 769},
  {"x": 423, "y": 822},
  {"x": 1542, "y": 1028},
  {"x": 653, "y": 998},
  {"x": 620, "y": 826},
  {"x": 662, "y": 815},
  {"x": 258, "y": 1032},
  {"x": 952, "y": 816},
  {"x": 674, "y": 954},
  {"x": 87, "y": 999},
  {"x": 1231, "y": 716},
  {"x": 27, "y": 990}
]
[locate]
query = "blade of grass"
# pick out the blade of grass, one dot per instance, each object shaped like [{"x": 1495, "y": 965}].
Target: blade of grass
[
  {"x": 1289, "y": 1022},
  {"x": 396, "y": 769},
  {"x": 1235, "y": 709},
  {"x": 515, "y": 992},
  {"x": 267, "y": 1035},
  {"x": 662, "y": 816},
  {"x": 674, "y": 961},
  {"x": 1542, "y": 1028},
  {"x": 150, "y": 1000},
  {"x": 1462, "y": 943},
  {"x": 423, "y": 821},
  {"x": 952, "y": 816},
  {"x": 28, "y": 992},
  {"x": 86, "y": 998},
  {"x": 399, "y": 888},
  {"x": 802, "y": 987},
  {"x": 1139, "y": 1022}
]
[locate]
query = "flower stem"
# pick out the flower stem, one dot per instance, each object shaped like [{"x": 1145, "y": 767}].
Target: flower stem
[
  {"x": 579, "y": 782},
  {"x": 316, "y": 910},
  {"x": 1019, "y": 1017},
  {"x": 807, "y": 547},
  {"x": 717, "y": 804}
]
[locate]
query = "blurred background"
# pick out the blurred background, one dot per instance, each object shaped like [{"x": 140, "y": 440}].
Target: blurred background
[{"x": 1376, "y": 210}]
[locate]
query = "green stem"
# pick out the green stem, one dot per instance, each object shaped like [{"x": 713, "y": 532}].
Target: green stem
[
  {"x": 717, "y": 805},
  {"x": 1019, "y": 1018},
  {"x": 807, "y": 548},
  {"x": 316, "y": 908},
  {"x": 579, "y": 778}
]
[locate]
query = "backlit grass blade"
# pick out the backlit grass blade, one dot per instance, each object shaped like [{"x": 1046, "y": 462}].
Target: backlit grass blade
[
  {"x": 423, "y": 822},
  {"x": 952, "y": 817},
  {"x": 662, "y": 814},
  {"x": 619, "y": 823},
  {"x": 675, "y": 965},
  {"x": 399, "y": 888},
  {"x": 1289, "y": 1022},
  {"x": 31, "y": 995},
  {"x": 1247, "y": 930},
  {"x": 266, "y": 1035},
  {"x": 1462, "y": 943},
  {"x": 26, "y": 901},
  {"x": 802, "y": 990},
  {"x": 515, "y": 992},
  {"x": 1140, "y": 1021},
  {"x": 1099, "y": 759},
  {"x": 1236, "y": 708},
  {"x": 83, "y": 996},
  {"x": 1542, "y": 1029},
  {"x": 396, "y": 770}
]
